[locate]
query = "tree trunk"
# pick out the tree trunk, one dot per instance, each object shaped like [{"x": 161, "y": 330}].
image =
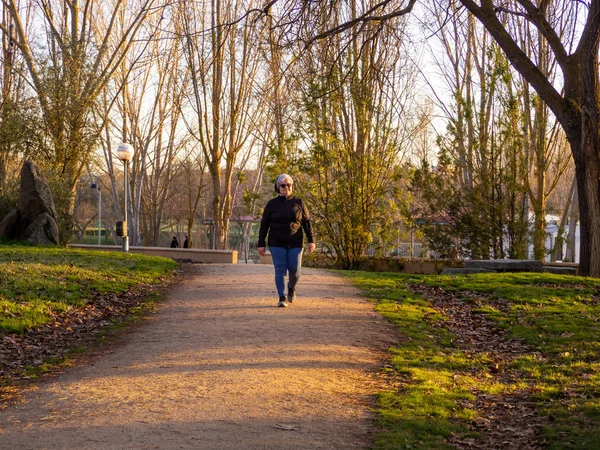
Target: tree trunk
[
  {"x": 571, "y": 237},
  {"x": 216, "y": 205},
  {"x": 557, "y": 254},
  {"x": 587, "y": 169}
]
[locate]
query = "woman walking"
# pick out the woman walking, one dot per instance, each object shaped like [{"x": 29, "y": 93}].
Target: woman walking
[{"x": 285, "y": 220}]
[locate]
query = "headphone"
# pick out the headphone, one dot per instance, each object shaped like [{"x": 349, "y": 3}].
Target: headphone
[{"x": 276, "y": 187}]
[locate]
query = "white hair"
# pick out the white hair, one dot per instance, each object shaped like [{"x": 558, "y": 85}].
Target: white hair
[{"x": 282, "y": 177}]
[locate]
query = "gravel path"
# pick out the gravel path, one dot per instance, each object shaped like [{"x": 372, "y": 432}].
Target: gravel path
[{"x": 220, "y": 367}]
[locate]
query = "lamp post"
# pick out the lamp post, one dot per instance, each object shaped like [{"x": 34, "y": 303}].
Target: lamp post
[
  {"x": 97, "y": 186},
  {"x": 125, "y": 153}
]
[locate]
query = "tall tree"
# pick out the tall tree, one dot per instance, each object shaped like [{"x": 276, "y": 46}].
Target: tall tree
[
  {"x": 544, "y": 153},
  {"x": 223, "y": 60},
  {"x": 577, "y": 108},
  {"x": 150, "y": 106},
  {"x": 357, "y": 97},
  {"x": 18, "y": 115},
  {"x": 482, "y": 148},
  {"x": 83, "y": 43},
  {"x": 193, "y": 170}
]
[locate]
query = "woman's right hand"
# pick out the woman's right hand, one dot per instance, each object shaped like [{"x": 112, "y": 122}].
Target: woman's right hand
[{"x": 261, "y": 251}]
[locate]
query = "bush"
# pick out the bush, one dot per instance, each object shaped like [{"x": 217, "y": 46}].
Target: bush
[{"x": 319, "y": 261}]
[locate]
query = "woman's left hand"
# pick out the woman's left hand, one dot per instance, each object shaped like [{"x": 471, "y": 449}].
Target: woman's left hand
[{"x": 311, "y": 247}]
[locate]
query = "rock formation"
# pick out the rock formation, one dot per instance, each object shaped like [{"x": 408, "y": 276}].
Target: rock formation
[{"x": 35, "y": 219}]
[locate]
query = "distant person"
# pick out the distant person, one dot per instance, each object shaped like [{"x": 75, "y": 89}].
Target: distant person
[
  {"x": 286, "y": 220},
  {"x": 174, "y": 242},
  {"x": 186, "y": 243}
]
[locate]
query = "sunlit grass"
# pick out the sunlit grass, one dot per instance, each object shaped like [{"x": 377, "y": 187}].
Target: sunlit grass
[
  {"x": 557, "y": 316},
  {"x": 37, "y": 282}
]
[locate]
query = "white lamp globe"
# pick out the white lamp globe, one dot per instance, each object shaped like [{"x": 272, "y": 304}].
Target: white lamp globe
[{"x": 125, "y": 152}]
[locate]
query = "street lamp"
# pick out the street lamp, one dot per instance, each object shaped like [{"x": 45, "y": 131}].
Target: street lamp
[
  {"x": 97, "y": 186},
  {"x": 125, "y": 153}
]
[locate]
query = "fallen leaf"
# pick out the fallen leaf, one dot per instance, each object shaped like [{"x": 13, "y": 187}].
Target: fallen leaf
[{"x": 281, "y": 426}]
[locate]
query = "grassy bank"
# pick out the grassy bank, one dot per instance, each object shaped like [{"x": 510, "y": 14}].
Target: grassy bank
[
  {"x": 506, "y": 357},
  {"x": 36, "y": 283}
]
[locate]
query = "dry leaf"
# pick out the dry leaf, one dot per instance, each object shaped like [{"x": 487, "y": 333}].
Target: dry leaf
[{"x": 281, "y": 426}]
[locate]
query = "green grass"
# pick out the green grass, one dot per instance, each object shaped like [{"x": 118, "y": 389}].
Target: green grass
[
  {"x": 36, "y": 283},
  {"x": 557, "y": 316}
]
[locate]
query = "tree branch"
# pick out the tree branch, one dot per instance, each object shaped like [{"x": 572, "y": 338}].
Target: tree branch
[
  {"x": 535, "y": 16},
  {"x": 367, "y": 17},
  {"x": 589, "y": 37},
  {"x": 487, "y": 16}
]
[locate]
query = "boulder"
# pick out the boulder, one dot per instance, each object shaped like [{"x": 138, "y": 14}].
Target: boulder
[
  {"x": 35, "y": 219},
  {"x": 43, "y": 231},
  {"x": 9, "y": 226},
  {"x": 35, "y": 197}
]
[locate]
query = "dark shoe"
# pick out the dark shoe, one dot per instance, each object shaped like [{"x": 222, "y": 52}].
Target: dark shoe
[
  {"x": 282, "y": 302},
  {"x": 291, "y": 296}
]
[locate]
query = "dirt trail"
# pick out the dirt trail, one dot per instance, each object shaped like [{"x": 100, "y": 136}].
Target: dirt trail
[{"x": 220, "y": 367}]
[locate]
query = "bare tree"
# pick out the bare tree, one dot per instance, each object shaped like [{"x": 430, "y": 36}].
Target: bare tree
[
  {"x": 546, "y": 154},
  {"x": 143, "y": 107},
  {"x": 193, "y": 171},
  {"x": 472, "y": 69},
  {"x": 521, "y": 128},
  {"x": 18, "y": 116},
  {"x": 83, "y": 44},
  {"x": 558, "y": 243},
  {"x": 577, "y": 109},
  {"x": 357, "y": 92},
  {"x": 224, "y": 67}
]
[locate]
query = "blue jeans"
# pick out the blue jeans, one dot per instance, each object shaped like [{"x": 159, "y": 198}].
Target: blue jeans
[{"x": 286, "y": 261}]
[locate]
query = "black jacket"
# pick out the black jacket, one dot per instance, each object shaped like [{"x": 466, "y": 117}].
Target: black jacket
[{"x": 285, "y": 219}]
